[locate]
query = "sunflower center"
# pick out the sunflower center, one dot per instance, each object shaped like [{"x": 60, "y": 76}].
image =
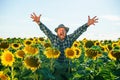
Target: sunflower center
[
  {"x": 41, "y": 39},
  {"x": 75, "y": 45},
  {"x": 89, "y": 44},
  {"x": 15, "y": 45},
  {"x": 97, "y": 44},
  {"x": 21, "y": 54},
  {"x": 56, "y": 52},
  {"x": 8, "y": 57},
  {"x": 70, "y": 52},
  {"x": 32, "y": 62},
  {"x": 116, "y": 54},
  {"x": 77, "y": 52},
  {"x": 31, "y": 50},
  {"x": 46, "y": 45},
  {"x": 4, "y": 45},
  {"x": 3, "y": 77},
  {"x": 28, "y": 42}
]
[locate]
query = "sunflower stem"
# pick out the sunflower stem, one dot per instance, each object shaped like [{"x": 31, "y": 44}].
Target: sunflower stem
[
  {"x": 51, "y": 64},
  {"x": 36, "y": 76},
  {"x": 69, "y": 67},
  {"x": 12, "y": 73}
]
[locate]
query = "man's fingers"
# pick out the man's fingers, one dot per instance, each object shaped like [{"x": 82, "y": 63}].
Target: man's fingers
[
  {"x": 96, "y": 21},
  {"x": 94, "y": 17},
  {"x": 93, "y": 24},
  {"x": 88, "y": 17},
  {"x": 34, "y": 14},
  {"x": 40, "y": 15}
]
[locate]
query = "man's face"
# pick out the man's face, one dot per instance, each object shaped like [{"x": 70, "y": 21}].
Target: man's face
[{"x": 61, "y": 33}]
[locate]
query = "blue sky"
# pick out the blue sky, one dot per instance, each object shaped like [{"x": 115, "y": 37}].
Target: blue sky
[{"x": 15, "y": 18}]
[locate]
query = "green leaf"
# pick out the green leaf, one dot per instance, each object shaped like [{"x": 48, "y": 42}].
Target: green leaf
[{"x": 26, "y": 72}]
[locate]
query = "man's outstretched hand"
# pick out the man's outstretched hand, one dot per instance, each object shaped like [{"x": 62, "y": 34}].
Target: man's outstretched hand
[
  {"x": 92, "y": 21},
  {"x": 36, "y": 18}
]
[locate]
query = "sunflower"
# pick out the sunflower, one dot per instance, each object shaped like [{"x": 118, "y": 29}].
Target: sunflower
[
  {"x": 48, "y": 52},
  {"x": 70, "y": 53},
  {"x": 35, "y": 40},
  {"x": 118, "y": 43},
  {"x": 3, "y": 76},
  {"x": 97, "y": 43},
  {"x": 20, "y": 54},
  {"x": 7, "y": 58},
  {"x": 104, "y": 48},
  {"x": 92, "y": 53},
  {"x": 46, "y": 45},
  {"x": 76, "y": 44},
  {"x": 84, "y": 40},
  {"x": 41, "y": 40},
  {"x": 114, "y": 54},
  {"x": 4, "y": 45},
  {"x": 109, "y": 47},
  {"x": 114, "y": 44},
  {"x": 32, "y": 62},
  {"x": 31, "y": 39},
  {"x": 31, "y": 50},
  {"x": 89, "y": 44},
  {"x": 52, "y": 52},
  {"x": 56, "y": 53},
  {"x": 28, "y": 42},
  {"x": 78, "y": 52},
  {"x": 16, "y": 46}
]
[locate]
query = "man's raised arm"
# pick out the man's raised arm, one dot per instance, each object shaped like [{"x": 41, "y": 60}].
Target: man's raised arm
[
  {"x": 83, "y": 28},
  {"x": 46, "y": 31}
]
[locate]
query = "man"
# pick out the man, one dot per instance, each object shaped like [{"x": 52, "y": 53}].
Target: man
[{"x": 62, "y": 40}]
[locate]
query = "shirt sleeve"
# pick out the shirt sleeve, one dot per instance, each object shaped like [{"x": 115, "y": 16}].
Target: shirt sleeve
[
  {"x": 46, "y": 31},
  {"x": 78, "y": 32}
]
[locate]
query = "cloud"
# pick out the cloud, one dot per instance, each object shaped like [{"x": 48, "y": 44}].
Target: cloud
[{"x": 111, "y": 17}]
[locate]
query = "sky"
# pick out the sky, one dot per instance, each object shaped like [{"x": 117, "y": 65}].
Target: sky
[{"x": 15, "y": 18}]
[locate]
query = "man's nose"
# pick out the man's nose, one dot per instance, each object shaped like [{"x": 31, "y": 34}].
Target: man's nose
[{"x": 62, "y": 31}]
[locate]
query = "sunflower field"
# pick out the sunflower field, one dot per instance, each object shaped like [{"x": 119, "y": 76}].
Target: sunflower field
[{"x": 35, "y": 59}]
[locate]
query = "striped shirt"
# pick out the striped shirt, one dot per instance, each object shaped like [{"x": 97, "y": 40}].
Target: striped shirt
[{"x": 63, "y": 44}]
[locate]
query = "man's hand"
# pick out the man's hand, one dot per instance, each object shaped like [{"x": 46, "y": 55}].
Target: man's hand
[
  {"x": 36, "y": 18},
  {"x": 92, "y": 21}
]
